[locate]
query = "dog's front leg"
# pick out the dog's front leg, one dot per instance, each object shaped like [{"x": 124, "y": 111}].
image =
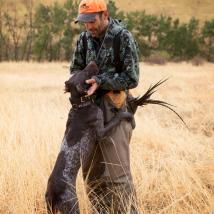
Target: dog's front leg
[
  {"x": 61, "y": 191},
  {"x": 104, "y": 131}
]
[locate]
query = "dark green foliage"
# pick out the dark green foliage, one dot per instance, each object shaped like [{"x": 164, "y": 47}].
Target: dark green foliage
[
  {"x": 54, "y": 31},
  {"x": 49, "y": 24},
  {"x": 163, "y": 34},
  {"x": 180, "y": 40},
  {"x": 12, "y": 35},
  {"x": 42, "y": 31},
  {"x": 207, "y": 40},
  {"x": 113, "y": 10},
  {"x": 69, "y": 30}
]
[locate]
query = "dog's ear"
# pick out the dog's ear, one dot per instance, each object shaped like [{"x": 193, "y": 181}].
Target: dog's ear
[{"x": 92, "y": 69}]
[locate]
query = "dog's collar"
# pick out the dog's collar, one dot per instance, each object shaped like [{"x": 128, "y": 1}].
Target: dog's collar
[
  {"x": 82, "y": 102},
  {"x": 76, "y": 106}
]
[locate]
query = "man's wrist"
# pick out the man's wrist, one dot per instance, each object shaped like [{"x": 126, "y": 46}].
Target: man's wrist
[{"x": 98, "y": 80}]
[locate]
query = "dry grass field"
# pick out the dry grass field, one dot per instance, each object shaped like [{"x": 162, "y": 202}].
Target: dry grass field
[{"x": 173, "y": 167}]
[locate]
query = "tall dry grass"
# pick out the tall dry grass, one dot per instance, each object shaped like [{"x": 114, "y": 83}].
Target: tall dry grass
[{"x": 173, "y": 168}]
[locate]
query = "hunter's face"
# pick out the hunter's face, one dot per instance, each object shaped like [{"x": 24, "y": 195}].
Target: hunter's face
[{"x": 97, "y": 26}]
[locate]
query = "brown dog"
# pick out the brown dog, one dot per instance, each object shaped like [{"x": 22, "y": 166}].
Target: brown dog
[{"x": 84, "y": 128}]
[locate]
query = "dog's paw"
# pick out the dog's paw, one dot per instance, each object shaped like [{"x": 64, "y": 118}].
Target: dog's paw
[{"x": 125, "y": 116}]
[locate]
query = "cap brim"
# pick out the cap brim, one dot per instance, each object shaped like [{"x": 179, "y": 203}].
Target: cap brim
[{"x": 85, "y": 17}]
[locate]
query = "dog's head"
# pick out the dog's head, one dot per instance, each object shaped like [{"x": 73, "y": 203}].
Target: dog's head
[{"x": 76, "y": 84}]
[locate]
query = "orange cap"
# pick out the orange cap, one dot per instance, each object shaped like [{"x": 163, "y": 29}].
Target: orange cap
[
  {"x": 89, "y": 8},
  {"x": 92, "y": 6}
]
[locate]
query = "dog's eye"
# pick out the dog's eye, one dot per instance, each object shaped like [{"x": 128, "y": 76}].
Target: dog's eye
[{"x": 81, "y": 88}]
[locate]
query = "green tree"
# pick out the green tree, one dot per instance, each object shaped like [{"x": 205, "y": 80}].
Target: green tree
[
  {"x": 181, "y": 41},
  {"x": 207, "y": 40},
  {"x": 42, "y": 22},
  {"x": 70, "y": 29},
  {"x": 15, "y": 30},
  {"x": 49, "y": 27},
  {"x": 114, "y": 12},
  {"x": 144, "y": 27}
]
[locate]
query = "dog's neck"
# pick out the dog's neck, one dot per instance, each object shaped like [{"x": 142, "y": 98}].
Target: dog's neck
[
  {"x": 78, "y": 88},
  {"x": 81, "y": 102}
]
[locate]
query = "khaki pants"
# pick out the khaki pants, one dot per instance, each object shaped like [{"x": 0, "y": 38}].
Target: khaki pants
[{"x": 107, "y": 174}]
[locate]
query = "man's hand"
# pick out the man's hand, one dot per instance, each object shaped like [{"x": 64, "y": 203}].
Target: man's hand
[{"x": 93, "y": 88}]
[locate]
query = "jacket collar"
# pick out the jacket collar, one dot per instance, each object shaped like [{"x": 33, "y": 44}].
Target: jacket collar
[{"x": 115, "y": 26}]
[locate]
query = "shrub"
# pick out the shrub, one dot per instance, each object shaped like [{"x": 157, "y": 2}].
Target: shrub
[
  {"x": 197, "y": 60},
  {"x": 207, "y": 40},
  {"x": 158, "y": 57}
]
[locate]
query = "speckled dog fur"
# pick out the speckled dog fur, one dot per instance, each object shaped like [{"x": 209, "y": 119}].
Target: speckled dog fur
[{"x": 85, "y": 127}]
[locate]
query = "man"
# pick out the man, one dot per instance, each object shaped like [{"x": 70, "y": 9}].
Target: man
[{"x": 108, "y": 175}]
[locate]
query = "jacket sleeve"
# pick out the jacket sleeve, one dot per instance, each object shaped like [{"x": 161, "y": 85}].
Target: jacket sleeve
[
  {"x": 78, "y": 60},
  {"x": 129, "y": 76}
]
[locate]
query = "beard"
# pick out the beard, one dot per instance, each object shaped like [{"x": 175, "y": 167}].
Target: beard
[{"x": 99, "y": 31}]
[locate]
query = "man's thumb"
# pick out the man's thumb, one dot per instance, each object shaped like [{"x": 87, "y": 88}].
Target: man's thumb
[{"x": 90, "y": 81}]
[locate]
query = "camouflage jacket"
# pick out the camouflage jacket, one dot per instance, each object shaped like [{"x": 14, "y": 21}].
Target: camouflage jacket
[{"x": 109, "y": 79}]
